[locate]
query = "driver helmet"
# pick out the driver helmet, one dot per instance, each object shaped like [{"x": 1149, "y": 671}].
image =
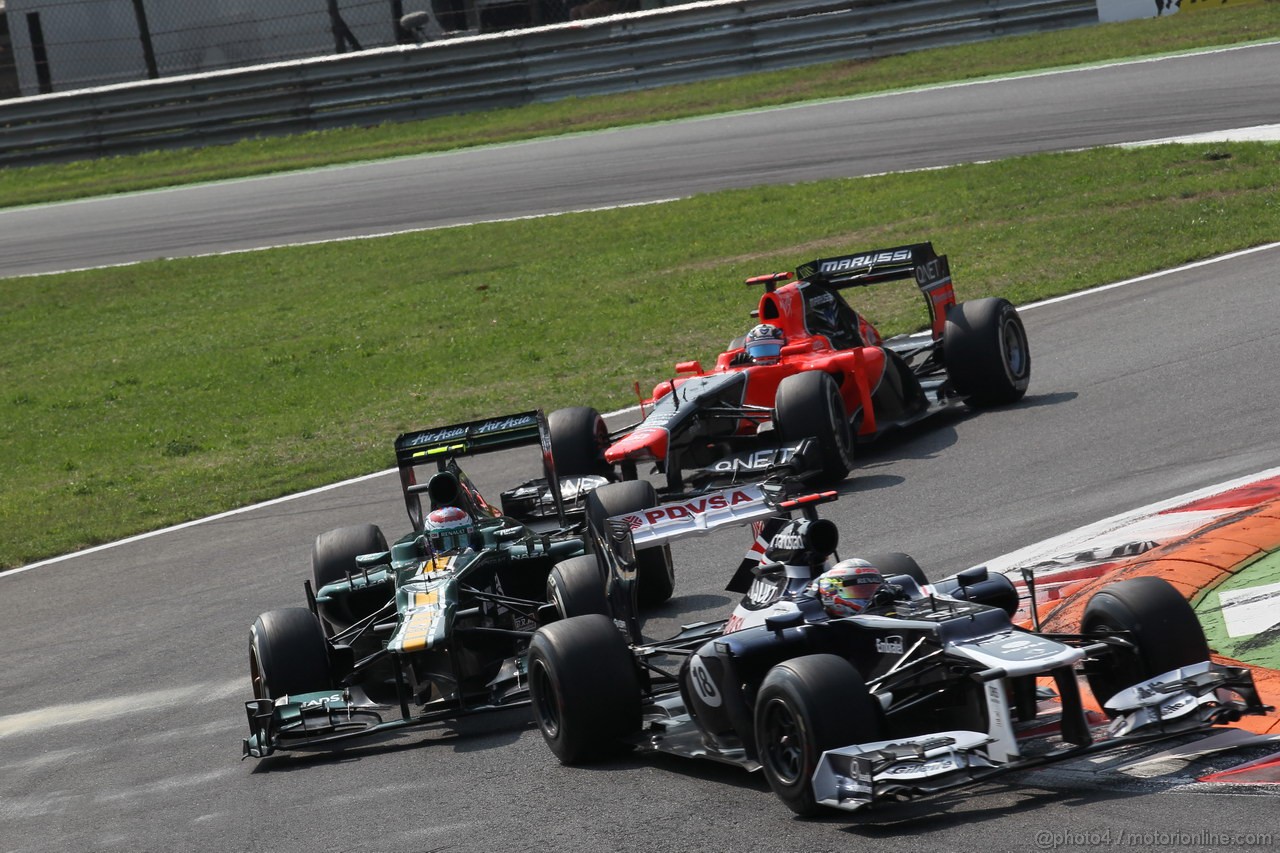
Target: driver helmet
[
  {"x": 449, "y": 529},
  {"x": 764, "y": 343},
  {"x": 847, "y": 588}
]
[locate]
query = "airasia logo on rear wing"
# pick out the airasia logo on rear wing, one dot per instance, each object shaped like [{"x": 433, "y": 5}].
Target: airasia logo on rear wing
[{"x": 663, "y": 523}]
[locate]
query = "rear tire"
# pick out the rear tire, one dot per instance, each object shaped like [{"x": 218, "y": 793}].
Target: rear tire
[
  {"x": 576, "y": 587},
  {"x": 809, "y": 405},
  {"x": 332, "y": 558},
  {"x": 579, "y": 437},
  {"x": 584, "y": 688},
  {"x": 984, "y": 347},
  {"x": 1160, "y": 623},
  {"x": 896, "y": 563},
  {"x": 288, "y": 654},
  {"x": 805, "y": 707},
  {"x": 655, "y": 577}
]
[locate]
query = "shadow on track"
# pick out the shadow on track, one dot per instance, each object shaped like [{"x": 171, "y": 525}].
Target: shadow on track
[
  {"x": 946, "y": 811},
  {"x": 475, "y": 733}
]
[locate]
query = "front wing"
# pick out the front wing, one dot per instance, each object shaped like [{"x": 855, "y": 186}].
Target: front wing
[
  {"x": 322, "y": 718},
  {"x": 1193, "y": 698}
]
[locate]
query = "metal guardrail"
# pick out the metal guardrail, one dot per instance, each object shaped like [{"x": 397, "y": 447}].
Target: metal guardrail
[{"x": 601, "y": 56}]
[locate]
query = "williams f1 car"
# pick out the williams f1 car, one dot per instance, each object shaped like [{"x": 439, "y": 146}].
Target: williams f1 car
[
  {"x": 931, "y": 687},
  {"x": 833, "y": 379},
  {"x": 436, "y": 624}
]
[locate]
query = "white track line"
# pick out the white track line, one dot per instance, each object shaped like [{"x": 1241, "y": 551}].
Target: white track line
[
  {"x": 352, "y": 237},
  {"x": 186, "y": 524}
]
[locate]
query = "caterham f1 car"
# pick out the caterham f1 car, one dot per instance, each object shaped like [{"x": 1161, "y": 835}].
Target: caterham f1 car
[
  {"x": 929, "y": 688},
  {"x": 437, "y": 624},
  {"x": 833, "y": 378}
]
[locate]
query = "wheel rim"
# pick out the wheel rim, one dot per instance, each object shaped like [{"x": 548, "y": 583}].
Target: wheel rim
[
  {"x": 545, "y": 702},
  {"x": 255, "y": 675},
  {"x": 601, "y": 438},
  {"x": 839, "y": 426},
  {"x": 1013, "y": 346},
  {"x": 557, "y": 599},
  {"x": 1124, "y": 671},
  {"x": 783, "y": 746}
]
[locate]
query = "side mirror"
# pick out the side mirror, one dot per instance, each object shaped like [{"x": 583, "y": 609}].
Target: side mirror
[{"x": 790, "y": 619}]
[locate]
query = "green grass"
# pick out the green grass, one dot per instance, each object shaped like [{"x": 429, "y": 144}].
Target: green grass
[
  {"x": 138, "y": 397},
  {"x": 1004, "y": 56}
]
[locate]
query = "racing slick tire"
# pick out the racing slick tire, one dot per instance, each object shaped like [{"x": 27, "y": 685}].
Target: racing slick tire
[
  {"x": 288, "y": 654},
  {"x": 332, "y": 558},
  {"x": 578, "y": 441},
  {"x": 896, "y": 563},
  {"x": 809, "y": 405},
  {"x": 576, "y": 588},
  {"x": 584, "y": 688},
  {"x": 805, "y": 707},
  {"x": 1158, "y": 621},
  {"x": 984, "y": 347},
  {"x": 655, "y": 576}
]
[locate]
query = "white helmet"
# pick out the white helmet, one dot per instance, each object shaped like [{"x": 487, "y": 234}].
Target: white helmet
[
  {"x": 847, "y": 588},
  {"x": 449, "y": 529}
]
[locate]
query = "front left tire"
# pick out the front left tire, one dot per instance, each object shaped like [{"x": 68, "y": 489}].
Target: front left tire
[{"x": 805, "y": 707}]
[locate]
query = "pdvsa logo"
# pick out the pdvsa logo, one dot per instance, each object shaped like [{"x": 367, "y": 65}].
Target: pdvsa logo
[{"x": 701, "y": 506}]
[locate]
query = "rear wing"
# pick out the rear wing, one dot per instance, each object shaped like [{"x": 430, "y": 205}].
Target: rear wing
[
  {"x": 917, "y": 260},
  {"x": 699, "y": 516},
  {"x": 651, "y": 528},
  {"x": 441, "y": 445}
]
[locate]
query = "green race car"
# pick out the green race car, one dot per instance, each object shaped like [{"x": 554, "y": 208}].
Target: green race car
[{"x": 437, "y": 624}]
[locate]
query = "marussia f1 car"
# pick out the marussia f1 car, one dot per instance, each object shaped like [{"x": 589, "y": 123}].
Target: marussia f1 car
[
  {"x": 929, "y": 688},
  {"x": 437, "y": 624},
  {"x": 834, "y": 379}
]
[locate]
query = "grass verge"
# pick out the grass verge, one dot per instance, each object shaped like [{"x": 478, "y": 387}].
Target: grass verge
[
  {"x": 143, "y": 396},
  {"x": 1003, "y": 56}
]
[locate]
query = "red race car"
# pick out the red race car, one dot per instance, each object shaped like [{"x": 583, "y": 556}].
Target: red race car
[{"x": 814, "y": 369}]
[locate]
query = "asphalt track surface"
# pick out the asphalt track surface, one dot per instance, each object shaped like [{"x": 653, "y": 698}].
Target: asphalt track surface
[
  {"x": 120, "y": 704},
  {"x": 121, "y": 699},
  {"x": 928, "y": 128}
]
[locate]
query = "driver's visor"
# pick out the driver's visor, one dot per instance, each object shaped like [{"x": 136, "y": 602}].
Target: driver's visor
[
  {"x": 764, "y": 350},
  {"x": 860, "y": 590}
]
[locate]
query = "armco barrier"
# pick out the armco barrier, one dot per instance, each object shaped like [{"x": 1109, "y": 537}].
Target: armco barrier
[{"x": 622, "y": 53}]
